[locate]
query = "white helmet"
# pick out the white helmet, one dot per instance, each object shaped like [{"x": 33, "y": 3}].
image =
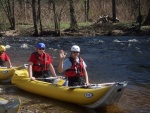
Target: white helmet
[{"x": 75, "y": 48}]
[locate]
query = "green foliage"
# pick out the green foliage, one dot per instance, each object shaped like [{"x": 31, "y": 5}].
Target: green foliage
[
  {"x": 84, "y": 24},
  {"x": 4, "y": 26},
  {"x": 145, "y": 28},
  {"x": 123, "y": 26},
  {"x": 19, "y": 26},
  {"x": 64, "y": 25}
]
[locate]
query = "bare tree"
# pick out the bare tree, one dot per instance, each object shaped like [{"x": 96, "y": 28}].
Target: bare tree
[
  {"x": 87, "y": 8},
  {"x": 9, "y": 9},
  {"x": 140, "y": 16},
  {"x": 57, "y": 30},
  {"x": 114, "y": 11},
  {"x": 34, "y": 17},
  {"x": 147, "y": 20},
  {"x": 39, "y": 16},
  {"x": 73, "y": 21},
  {"x": 57, "y": 14}
]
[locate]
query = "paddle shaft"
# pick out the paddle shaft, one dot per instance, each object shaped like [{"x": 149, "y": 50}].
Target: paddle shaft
[
  {"x": 25, "y": 65},
  {"x": 50, "y": 78},
  {"x": 73, "y": 87},
  {"x": 7, "y": 67}
]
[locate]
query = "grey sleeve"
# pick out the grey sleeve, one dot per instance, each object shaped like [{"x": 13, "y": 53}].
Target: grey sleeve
[
  {"x": 84, "y": 64},
  {"x": 67, "y": 64}
]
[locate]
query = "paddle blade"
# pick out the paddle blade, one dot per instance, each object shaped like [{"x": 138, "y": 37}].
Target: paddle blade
[
  {"x": 65, "y": 83},
  {"x": 59, "y": 81}
]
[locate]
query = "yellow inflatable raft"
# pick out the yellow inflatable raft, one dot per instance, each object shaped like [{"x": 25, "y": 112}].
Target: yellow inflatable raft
[
  {"x": 6, "y": 73},
  {"x": 95, "y": 95}
]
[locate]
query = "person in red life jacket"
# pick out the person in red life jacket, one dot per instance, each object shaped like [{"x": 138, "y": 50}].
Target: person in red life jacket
[
  {"x": 40, "y": 63},
  {"x": 4, "y": 59},
  {"x": 74, "y": 67}
]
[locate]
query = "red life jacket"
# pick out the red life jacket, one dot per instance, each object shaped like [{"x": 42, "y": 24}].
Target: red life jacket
[
  {"x": 40, "y": 65},
  {"x": 2, "y": 60},
  {"x": 77, "y": 68}
]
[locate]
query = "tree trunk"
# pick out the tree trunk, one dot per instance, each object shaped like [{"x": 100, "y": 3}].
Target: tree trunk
[
  {"x": 147, "y": 20},
  {"x": 57, "y": 29},
  {"x": 13, "y": 15},
  {"x": 9, "y": 8},
  {"x": 39, "y": 13},
  {"x": 25, "y": 8},
  {"x": 114, "y": 11},
  {"x": 73, "y": 21},
  {"x": 140, "y": 16},
  {"x": 34, "y": 17},
  {"x": 87, "y": 7}
]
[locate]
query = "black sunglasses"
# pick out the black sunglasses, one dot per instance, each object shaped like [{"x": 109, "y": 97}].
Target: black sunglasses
[
  {"x": 75, "y": 52},
  {"x": 41, "y": 48}
]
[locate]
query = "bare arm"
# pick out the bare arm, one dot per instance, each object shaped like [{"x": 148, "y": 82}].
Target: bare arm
[
  {"x": 30, "y": 71},
  {"x": 60, "y": 66},
  {"x": 62, "y": 56},
  {"x": 9, "y": 63},
  {"x": 52, "y": 70},
  {"x": 86, "y": 77}
]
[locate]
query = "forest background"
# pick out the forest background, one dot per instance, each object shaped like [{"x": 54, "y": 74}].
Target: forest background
[{"x": 74, "y": 17}]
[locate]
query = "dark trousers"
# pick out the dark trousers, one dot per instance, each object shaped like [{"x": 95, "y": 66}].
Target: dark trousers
[
  {"x": 42, "y": 74},
  {"x": 76, "y": 80}
]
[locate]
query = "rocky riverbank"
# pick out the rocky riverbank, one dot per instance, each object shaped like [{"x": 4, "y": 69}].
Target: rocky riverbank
[{"x": 92, "y": 30}]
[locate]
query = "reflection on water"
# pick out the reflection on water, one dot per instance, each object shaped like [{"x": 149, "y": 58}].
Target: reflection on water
[{"x": 109, "y": 59}]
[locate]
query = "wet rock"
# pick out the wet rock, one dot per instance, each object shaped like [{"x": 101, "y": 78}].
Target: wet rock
[
  {"x": 10, "y": 33},
  {"x": 117, "y": 32},
  {"x": 1, "y": 90},
  {"x": 1, "y": 34}
]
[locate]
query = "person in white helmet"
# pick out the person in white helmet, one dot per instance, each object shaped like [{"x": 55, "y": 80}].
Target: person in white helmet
[
  {"x": 74, "y": 67},
  {"x": 4, "y": 58}
]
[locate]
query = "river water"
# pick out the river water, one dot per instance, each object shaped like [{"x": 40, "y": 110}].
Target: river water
[{"x": 109, "y": 59}]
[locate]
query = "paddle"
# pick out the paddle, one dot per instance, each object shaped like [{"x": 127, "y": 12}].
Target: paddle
[
  {"x": 82, "y": 86},
  {"x": 7, "y": 67},
  {"x": 23, "y": 66},
  {"x": 62, "y": 82},
  {"x": 91, "y": 86},
  {"x": 57, "y": 81},
  {"x": 49, "y": 78}
]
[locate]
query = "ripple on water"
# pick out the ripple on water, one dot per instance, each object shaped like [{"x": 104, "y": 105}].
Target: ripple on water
[
  {"x": 136, "y": 100},
  {"x": 109, "y": 59}
]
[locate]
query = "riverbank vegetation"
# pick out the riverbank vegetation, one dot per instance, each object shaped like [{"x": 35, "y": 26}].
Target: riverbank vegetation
[{"x": 74, "y": 17}]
